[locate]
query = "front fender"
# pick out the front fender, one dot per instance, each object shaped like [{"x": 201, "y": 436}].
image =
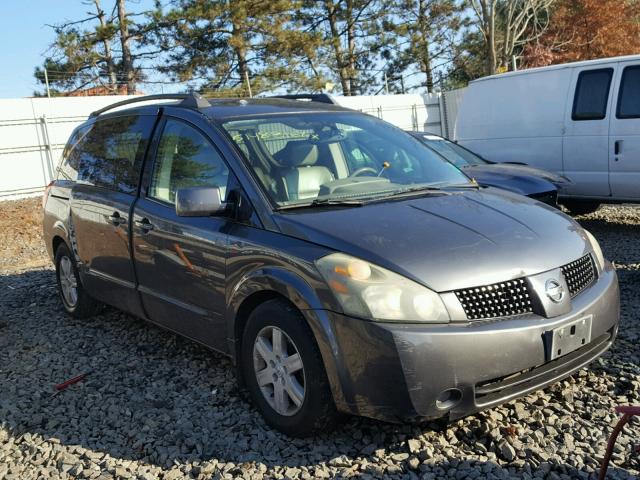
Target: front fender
[
  {"x": 277, "y": 279},
  {"x": 310, "y": 296}
]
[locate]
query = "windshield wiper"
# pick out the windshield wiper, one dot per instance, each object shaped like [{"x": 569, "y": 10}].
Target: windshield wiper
[
  {"x": 413, "y": 191},
  {"x": 322, "y": 202},
  {"x": 463, "y": 185},
  {"x": 426, "y": 190}
]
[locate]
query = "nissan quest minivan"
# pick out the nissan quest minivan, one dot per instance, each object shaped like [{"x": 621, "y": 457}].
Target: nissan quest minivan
[{"x": 341, "y": 264}]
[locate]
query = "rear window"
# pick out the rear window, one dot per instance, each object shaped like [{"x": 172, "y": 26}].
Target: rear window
[
  {"x": 629, "y": 97},
  {"x": 110, "y": 153},
  {"x": 592, "y": 94}
]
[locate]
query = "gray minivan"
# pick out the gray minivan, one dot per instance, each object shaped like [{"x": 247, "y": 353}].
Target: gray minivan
[{"x": 341, "y": 264}]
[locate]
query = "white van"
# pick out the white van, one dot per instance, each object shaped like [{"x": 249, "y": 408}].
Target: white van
[{"x": 578, "y": 119}]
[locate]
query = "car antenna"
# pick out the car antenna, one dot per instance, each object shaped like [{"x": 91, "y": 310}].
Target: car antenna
[{"x": 385, "y": 165}]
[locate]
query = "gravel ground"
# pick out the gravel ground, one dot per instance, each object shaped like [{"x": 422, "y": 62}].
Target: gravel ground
[
  {"x": 21, "y": 245},
  {"x": 158, "y": 406}
]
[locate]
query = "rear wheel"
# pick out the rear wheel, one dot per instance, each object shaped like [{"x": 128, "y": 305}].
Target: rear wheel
[
  {"x": 577, "y": 207},
  {"x": 75, "y": 300},
  {"x": 283, "y": 371}
]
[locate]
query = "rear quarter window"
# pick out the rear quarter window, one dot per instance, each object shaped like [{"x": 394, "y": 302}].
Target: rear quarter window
[
  {"x": 111, "y": 153},
  {"x": 70, "y": 163}
]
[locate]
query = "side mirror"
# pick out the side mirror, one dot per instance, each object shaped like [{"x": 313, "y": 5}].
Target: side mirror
[{"x": 199, "y": 202}]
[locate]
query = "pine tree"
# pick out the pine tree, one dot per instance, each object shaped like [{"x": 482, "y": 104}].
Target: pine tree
[
  {"x": 426, "y": 34},
  {"x": 354, "y": 35},
  {"x": 82, "y": 54},
  {"x": 221, "y": 46}
]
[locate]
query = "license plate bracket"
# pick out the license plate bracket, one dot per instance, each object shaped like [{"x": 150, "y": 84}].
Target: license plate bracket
[{"x": 569, "y": 337}]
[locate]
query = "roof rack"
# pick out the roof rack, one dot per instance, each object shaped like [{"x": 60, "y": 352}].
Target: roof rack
[
  {"x": 189, "y": 100},
  {"x": 312, "y": 97}
]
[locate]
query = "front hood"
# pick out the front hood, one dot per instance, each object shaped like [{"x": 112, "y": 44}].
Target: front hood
[
  {"x": 447, "y": 242},
  {"x": 521, "y": 179}
]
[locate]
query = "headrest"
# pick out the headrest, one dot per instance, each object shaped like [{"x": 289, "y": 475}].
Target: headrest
[{"x": 298, "y": 153}]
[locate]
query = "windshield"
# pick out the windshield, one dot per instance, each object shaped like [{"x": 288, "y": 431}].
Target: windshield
[
  {"x": 459, "y": 156},
  {"x": 302, "y": 158}
]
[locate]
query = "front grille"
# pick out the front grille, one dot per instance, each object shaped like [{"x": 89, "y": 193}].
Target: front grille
[
  {"x": 504, "y": 299},
  {"x": 579, "y": 274}
]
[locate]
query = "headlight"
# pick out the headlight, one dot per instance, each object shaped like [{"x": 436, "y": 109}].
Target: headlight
[
  {"x": 595, "y": 246},
  {"x": 368, "y": 291}
]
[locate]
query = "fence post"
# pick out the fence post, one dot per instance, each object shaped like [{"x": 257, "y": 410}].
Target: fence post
[
  {"x": 47, "y": 145},
  {"x": 414, "y": 117},
  {"x": 444, "y": 118},
  {"x": 380, "y": 112}
]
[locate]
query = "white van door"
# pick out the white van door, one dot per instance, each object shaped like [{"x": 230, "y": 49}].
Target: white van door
[
  {"x": 624, "y": 133},
  {"x": 586, "y": 138}
]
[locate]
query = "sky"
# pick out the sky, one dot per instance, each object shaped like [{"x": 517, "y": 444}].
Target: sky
[{"x": 24, "y": 38}]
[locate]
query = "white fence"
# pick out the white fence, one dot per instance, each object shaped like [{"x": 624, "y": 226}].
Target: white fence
[{"x": 33, "y": 131}]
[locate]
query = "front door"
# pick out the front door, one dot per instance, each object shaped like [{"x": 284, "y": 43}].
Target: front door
[
  {"x": 109, "y": 161},
  {"x": 624, "y": 139},
  {"x": 586, "y": 138},
  {"x": 180, "y": 261}
]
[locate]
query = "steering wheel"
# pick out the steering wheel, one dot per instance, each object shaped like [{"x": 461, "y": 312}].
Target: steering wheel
[{"x": 362, "y": 170}]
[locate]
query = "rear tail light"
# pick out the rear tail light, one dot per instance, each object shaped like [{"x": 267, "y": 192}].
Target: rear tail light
[{"x": 45, "y": 195}]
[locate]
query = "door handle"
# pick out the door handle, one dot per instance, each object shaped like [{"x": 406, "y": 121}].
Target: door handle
[
  {"x": 145, "y": 225},
  {"x": 116, "y": 219},
  {"x": 617, "y": 146}
]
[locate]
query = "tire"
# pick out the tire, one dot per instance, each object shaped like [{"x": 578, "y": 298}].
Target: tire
[
  {"x": 577, "y": 207},
  {"x": 316, "y": 410},
  {"x": 79, "y": 305}
]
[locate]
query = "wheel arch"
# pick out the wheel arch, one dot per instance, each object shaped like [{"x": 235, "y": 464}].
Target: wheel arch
[
  {"x": 56, "y": 232},
  {"x": 259, "y": 286},
  {"x": 56, "y": 242},
  {"x": 278, "y": 283}
]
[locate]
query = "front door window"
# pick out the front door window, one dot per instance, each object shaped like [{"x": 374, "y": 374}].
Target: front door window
[{"x": 186, "y": 159}]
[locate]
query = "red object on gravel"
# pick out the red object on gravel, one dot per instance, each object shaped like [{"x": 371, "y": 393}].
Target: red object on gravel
[
  {"x": 71, "y": 381},
  {"x": 627, "y": 411}
]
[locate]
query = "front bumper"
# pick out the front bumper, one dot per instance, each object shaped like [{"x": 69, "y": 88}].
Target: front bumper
[
  {"x": 399, "y": 372},
  {"x": 550, "y": 197}
]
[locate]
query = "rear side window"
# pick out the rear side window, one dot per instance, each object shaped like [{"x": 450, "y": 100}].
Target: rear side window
[
  {"x": 111, "y": 154},
  {"x": 592, "y": 94},
  {"x": 629, "y": 97},
  {"x": 68, "y": 169},
  {"x": 185, "y": 158}
]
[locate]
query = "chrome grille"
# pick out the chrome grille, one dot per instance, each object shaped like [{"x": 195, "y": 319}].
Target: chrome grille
[
  {"x": 502, "y": 299},
  {"x": 579, "y": 274}
]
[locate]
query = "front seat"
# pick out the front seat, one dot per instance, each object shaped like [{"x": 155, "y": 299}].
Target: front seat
[{"x": 302, "y": 177}]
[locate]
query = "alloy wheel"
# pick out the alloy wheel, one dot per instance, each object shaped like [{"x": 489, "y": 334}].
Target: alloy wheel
[
  {"x": 279, "y": 370},
  {"x": 68, "y": 282}
]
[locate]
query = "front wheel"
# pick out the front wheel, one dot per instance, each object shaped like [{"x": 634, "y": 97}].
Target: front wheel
[
  {"x": 75, "y": 300},
  {"x": 578, "y": 207},
  {"x": 283, "y": 371}
]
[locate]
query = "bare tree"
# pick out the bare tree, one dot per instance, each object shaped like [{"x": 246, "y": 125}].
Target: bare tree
[{"x": 507, "y": 25}]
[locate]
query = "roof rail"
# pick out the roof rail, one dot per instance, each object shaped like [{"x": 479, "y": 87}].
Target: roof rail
[
  {"x": 189, "y": 100},
  {"x": 313, "y": 97}
]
